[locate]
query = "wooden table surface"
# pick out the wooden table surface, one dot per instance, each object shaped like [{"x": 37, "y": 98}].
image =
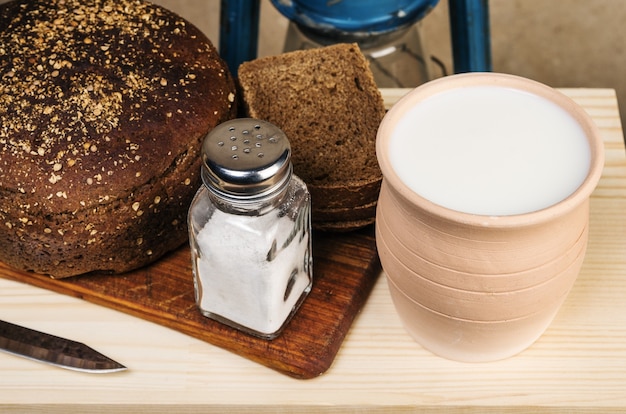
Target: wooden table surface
[{"x": 579, "y": 364}]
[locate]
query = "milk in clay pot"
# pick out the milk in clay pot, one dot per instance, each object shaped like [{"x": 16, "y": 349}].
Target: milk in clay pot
[{"x": 483, "y": 215}]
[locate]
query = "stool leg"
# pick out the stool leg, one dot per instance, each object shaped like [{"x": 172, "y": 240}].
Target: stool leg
[
  {"x": 471, "y": 41},
  {"x": 239, "y": 31}
]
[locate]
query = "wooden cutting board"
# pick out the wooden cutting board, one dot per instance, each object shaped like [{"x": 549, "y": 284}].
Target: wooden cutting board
[{"x": 345, "y": 267}]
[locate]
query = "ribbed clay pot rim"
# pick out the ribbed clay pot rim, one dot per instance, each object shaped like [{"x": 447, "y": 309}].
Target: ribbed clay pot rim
[{"x": 434, "y": 87}]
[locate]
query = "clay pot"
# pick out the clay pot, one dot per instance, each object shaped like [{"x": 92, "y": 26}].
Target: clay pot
[{"x": 477, "y": 287}]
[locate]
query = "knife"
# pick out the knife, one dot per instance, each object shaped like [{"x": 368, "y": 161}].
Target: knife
[{"x": 54, "y": 350}]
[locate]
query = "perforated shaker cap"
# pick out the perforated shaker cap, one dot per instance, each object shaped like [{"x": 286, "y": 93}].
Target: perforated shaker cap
[{"x": 246, "y": 157}]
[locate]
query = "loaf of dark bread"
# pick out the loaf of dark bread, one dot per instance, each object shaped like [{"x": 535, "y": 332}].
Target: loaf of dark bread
[
  {"x": 327, "y": 103},
  {"x": 103, "y": 107}
]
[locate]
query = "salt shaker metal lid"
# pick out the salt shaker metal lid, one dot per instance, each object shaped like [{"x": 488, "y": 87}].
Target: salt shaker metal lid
[{"x": 246, "y": 157}]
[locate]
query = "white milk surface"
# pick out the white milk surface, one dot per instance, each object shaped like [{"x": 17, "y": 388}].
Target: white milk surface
[{"x": 490, "y": 150}]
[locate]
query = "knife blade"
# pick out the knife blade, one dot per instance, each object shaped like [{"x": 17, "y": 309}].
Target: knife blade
[{"x": 54, "y": 350}]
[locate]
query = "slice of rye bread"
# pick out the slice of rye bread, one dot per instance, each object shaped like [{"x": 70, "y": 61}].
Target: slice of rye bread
[{"x": 328, "y": 104}]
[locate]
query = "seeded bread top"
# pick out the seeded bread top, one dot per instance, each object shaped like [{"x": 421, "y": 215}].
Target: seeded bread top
[
  {"x": 327, "y": 103},
  {"x": 98, "y": 97}
]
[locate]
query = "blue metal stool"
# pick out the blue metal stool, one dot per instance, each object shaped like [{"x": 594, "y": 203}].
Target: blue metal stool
[{"x": 469, "y": 25}]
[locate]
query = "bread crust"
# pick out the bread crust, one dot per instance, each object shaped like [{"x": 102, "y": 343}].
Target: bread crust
[
  {"x": 343, "y": 226},
  {"x": 103, "y": 108},
  {"x": 355, "y": 213},
  {"x": 345, "y": 195}
]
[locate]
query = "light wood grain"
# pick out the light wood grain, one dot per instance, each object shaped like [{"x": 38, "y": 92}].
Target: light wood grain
[{"x": 579, "y": 364}]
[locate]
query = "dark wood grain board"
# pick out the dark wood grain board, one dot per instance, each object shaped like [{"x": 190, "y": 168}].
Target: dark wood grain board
[{"x": 345, "y": 267}]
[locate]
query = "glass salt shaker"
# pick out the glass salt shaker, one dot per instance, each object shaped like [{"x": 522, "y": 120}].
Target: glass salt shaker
[{"x": 250, "y": 229}]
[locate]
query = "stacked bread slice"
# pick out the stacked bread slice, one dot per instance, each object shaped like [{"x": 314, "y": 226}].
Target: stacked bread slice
[{"x": 327, "y": 103}]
